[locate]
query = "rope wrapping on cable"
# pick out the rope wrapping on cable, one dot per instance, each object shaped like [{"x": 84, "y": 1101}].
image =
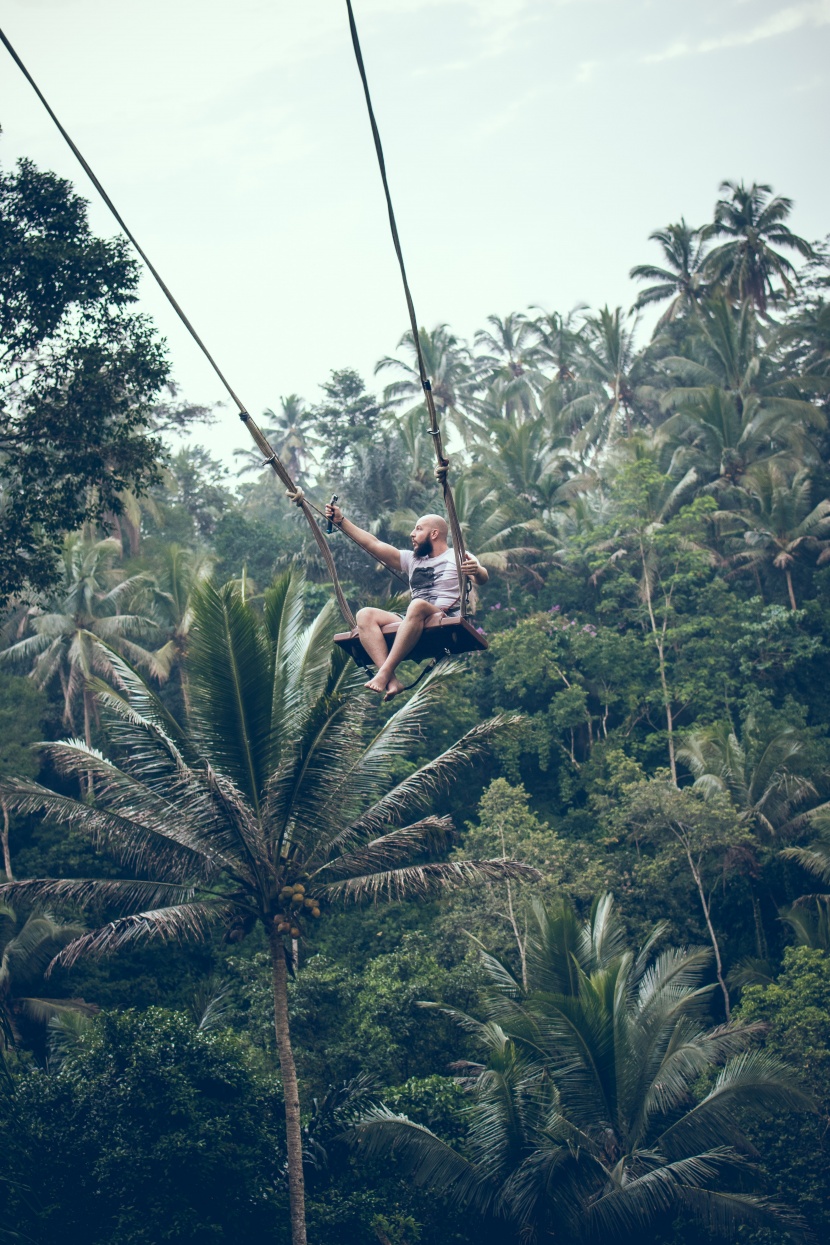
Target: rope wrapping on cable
[
  {"x": 434, "y": 427},
  {"x": 268, "y": 452}
]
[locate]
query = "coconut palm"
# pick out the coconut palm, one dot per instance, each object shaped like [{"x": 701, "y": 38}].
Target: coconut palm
[
  {"x": 753, "y": 222},
  {"x": 763, "y": 779},
  {"x": 611, "y": 366},
  {"x": 683, "y": 280},
  {"x": 732, "y": 406},
  {"x": 271, "y": 804},
  {"x": 27, "y": 946},
  {"x": 586, "y": 1119},
  {"x": 290, "y": 432},
  {"x": 449, "y": 369},
  {"x": 179, "y": 571},
  {"x": 511, "y": 353},
  {"x": 60, "y": 642},
  {"x": 781, "y": 525}
]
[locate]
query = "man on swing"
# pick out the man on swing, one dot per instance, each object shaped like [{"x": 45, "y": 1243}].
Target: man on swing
[{"x": 433, "y": 582}]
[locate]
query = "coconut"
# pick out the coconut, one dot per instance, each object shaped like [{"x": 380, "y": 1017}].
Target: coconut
[{"x": 295, "y": 933}]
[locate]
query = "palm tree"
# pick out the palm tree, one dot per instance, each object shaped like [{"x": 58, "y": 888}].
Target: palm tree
[
  {"x": 513, "y": 356},
  {"x": 179, "y": 571},
  {"x": 747, "y": 264},
  {"x": 586, "y": 1119},
  {"x": 449, "y": 368},
  {"x": 611, "y": 365},
  {"x": 290, "y": 431},
  {"x": 62, "y": 640},
  {"x": 26, "y": 948},
  {"x": 763, "y": 779},
  {"x": 780, "y": 523},
  {"x": 272, "y": 803},
  {"x": 682, "y": 280},
  {"x": 733, "y": 406}
]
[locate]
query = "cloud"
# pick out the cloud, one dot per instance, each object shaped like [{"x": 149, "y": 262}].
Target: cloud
[{"x": 782, "y": 22}]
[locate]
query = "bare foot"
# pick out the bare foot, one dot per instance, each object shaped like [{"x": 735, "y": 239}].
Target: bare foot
[
  {"x": 393, "y": 688},
  {"x": 379, "y": 683}
]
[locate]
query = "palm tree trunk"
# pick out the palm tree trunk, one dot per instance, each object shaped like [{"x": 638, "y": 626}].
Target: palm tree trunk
[
  {"x": 290, "y": 1089},
  {"x": 793, "y": 604},
  {"x": 7, "y": 860}
]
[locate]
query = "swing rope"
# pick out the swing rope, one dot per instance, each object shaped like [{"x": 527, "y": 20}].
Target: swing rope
[
  {"x": 269, "y": 454},
  {"x": 442, "y": 461}
]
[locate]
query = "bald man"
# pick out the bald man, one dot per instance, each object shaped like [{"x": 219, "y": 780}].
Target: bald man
[{"x": 433, "y": 583}]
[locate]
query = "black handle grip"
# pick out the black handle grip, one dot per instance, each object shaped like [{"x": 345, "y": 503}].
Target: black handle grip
[{"x": 330, "y": 524}]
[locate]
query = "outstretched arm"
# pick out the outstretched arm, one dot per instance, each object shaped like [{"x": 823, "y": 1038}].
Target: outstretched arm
[{"x": 384, "y": 553}]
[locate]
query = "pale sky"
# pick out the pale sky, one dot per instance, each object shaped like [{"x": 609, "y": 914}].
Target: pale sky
[{"x": 532, "y": 146}]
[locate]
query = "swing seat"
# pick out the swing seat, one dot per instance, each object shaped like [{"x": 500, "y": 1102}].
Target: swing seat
[{"x": 441, "y": 637}]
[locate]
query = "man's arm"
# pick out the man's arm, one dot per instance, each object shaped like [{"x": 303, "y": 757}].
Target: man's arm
[
  {"x": 384, "y": 553},
  {"x": 472, "y": 567}
]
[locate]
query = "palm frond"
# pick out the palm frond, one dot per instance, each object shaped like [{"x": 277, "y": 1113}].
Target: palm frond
[
  {"x": 425, "y": 880},
  {"x": 189, "y": 922}
]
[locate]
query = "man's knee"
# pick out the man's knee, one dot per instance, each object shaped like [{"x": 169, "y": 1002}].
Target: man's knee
[
  {"x": 419, "y": 609},
  {"x": 371, "y": 616}
]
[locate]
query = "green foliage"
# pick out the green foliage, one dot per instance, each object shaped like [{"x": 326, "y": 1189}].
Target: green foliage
[
  {"x": 80, "y": 373},
  {"x": 795, "y": 1011},
  {"x": 654, "y": 517},
  {"x": 150, "y": 1131}
]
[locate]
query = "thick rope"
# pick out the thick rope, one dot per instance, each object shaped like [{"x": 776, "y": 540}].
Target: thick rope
[
  {"x": 268, "y": 453},
  {"x": 434, "y": 428}
]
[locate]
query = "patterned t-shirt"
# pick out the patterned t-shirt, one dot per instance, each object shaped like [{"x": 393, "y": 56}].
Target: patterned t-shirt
[{"x": 432, "y": 579}]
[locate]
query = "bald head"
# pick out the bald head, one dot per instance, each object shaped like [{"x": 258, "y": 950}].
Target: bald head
[
  {"x": 429, "y": 536},
  {"x": 434, "y": 523}
]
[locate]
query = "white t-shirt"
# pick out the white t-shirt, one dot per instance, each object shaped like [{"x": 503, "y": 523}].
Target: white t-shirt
[{"x": 432, "y": 579}]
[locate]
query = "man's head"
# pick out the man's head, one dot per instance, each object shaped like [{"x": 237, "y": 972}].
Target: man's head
[{"x": 429, "y": 536}]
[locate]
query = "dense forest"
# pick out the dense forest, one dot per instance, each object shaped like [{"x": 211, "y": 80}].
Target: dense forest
[{"x": 540, "y": 950}]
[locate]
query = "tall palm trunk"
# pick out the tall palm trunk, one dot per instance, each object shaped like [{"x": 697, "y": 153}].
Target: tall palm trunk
[
  {"x": 7, "y": 860},
  {"x": 290, "y": 1089},
  {"x": 790, "y": 590}
]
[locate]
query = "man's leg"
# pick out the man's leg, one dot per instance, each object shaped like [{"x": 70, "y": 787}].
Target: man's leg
[
  {"x": 409, "y": 633},
  {"x": 370, "y": 622}
]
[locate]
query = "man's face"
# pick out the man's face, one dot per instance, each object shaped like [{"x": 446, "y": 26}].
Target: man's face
[{"x": 421, "y": 538}]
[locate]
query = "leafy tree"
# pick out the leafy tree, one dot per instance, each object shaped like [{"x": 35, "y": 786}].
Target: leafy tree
[
  {"x": 80, "y": 372},
  {"x": 701, "y": 830},
  {"x": 584, "y": 1116},
  {"x": 348, "y": 417},
  {"x": 794, "y": 1011},
  {"x": 149, "y": 1131},
  {"x": 269, "y": 805}
]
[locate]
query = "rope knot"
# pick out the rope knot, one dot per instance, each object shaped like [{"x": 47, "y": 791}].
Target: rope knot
[{"x": 297, "y": 496}]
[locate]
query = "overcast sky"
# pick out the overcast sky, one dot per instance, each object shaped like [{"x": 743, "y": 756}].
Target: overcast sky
[{"x": 532, "y": 146}]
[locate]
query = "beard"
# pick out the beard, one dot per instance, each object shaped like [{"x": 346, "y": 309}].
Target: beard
[{"x": 423, "y": 549}]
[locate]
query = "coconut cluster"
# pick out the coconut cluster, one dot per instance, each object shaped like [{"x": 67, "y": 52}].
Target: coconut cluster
[{"x": 297, "y": 903}]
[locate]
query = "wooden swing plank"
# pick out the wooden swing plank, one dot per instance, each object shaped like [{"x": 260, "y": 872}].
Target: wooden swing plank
[{"x": 440, "y": 637}]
